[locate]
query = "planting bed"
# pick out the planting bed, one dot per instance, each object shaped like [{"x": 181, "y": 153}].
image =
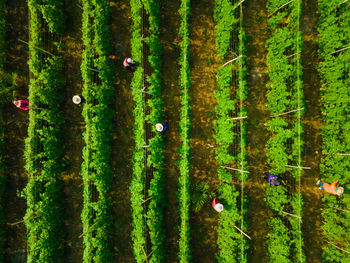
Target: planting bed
[{"x": 247, "y": 87}]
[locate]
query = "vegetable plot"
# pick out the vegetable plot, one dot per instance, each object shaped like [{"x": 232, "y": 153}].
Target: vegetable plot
[
  {"x": 184, "y": 164},
  {"x": 334, "y": 36},
  {"x": 147, "y": 202},
  {"x": 230, "y": 134},
  {"x": 98, "y": 75},
  {"x": 285, "y": 147},
  {"x": 43, "y": 149}
]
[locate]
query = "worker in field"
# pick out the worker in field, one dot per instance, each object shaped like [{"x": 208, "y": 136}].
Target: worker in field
[
  {"x": 78, "y": 99},
  {"x": 217, "y": 206},
  {"x": 272, "y": 179},
  {"x": 128, "y": 63},
  {"x": 332, "y": 188},
  {"x": 162, "y": 127},
  {"x": 22, "y": 104}
]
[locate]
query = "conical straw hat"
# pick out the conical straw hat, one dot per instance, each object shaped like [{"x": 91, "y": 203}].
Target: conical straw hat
[
  {"x": 76, "y": 99},
  {"x": 219, "y": 207},
  {"x": 159, "y": 127}
]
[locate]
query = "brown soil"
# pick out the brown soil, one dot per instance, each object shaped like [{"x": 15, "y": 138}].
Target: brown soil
[
  {"x": 16, "y": 131},
  {"x": 255, "y": 25},
  {"x": 74, "y": 126},
  {"x": 312, "y": 138},
  {"x": 204, "y": 63},
  {"x": 123, "y": 134},
  {"x": 171, "y": 95}
]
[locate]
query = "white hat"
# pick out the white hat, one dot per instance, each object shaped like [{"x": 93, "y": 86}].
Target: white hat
[
  {"x": 129, "y": 60},
  {"x": 340, "y": 191},
  {"x": 76, "y": 99},
  {"x": 218, "y": 207},
  {"x": 159, "y": 127}
]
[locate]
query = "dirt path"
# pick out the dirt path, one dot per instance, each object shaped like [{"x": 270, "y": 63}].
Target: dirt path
[
  {"x": 204, "y": 64},
  {"x": 123, "y": 145},
  {"x": 312, "y": 137},
  {"x": 255, "y": 25},
  {"x": 16, "y": 131},
  {"x": 74, "y": 126},
  {"x": 171, "y": 95}
]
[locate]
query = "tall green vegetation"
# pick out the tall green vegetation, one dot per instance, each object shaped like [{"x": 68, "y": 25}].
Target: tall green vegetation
[
  {"x": 98, "y": 76},
  {"x": 230, "y": 95},
  {"x": 285, "y": 147},
  {"x": 43, "y": 147},
  {"x": 147, "y": 202},
  {"x": 184, "y": 194},
  {"x": 334, "y": 36}
]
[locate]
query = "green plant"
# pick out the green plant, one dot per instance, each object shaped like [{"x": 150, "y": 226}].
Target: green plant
[{"x": 200, "y": 195}]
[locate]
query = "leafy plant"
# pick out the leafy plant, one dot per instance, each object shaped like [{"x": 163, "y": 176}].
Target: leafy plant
[{"x": 200, "y": 195}]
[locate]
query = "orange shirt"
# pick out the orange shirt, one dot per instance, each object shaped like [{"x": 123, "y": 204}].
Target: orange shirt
[{"x": 330, "y": 188}]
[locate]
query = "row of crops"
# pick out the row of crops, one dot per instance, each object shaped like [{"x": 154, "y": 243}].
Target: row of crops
[
  {"x": 44, "y": 150},
  {"x": 285, "y": 146},
  {"x": 230, "y": 135},
  {"x": 334, "y": 38}
]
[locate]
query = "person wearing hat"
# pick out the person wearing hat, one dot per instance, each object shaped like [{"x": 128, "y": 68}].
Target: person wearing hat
[
  {"x": 78, "y": 99},
  {"x": 217, "y": 206},
  {"x": 332, "y": 188},
  {"x": 22, "y": 104},
  {"x": 128, "y": 63},
  {"x": 162, "y": 127},
  {"x": 272, "y": 179}
]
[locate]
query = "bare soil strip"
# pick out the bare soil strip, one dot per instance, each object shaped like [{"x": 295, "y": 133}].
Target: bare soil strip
[
  {"x": 255, "y": 26},
  {"x": 312, "y": 219},
  {"x": 171, "y": 95},
  {"x": 123, "y": 134},
  {"x": 204, "y": 64},
  {"x": 74, "y": 126},
  {"x": 16, "y": 131}
]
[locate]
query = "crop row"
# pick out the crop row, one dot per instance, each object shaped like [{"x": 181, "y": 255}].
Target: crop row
[
  {"x": 230, "y": 94},
  {"x": 184, "y": 164},
  {"x": 285, "y": 147},
  {"x": 2, "y": 127},
  {"x": 43, "y": 147},
  {"x": 147, "y": 204},
  {"x": 334, "y": 35},
  {"x": 98, "y": 76}
]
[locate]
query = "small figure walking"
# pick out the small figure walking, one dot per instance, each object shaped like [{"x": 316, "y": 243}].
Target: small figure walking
[
  {"x": 272, "y": 179},
  {"x": 332, "y": 188},
  {"x": 217, "y": 206},
  {"x": 22, "y": 104},
  {"x": 128, "y": 63},
  {"x": 78, "y": 99},
  {"x": 162, "y": 127}
]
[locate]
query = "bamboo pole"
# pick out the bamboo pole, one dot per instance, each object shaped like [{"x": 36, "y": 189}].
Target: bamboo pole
[
  {"x": 291, "y": 214},
  {"x": 242, "y": 232},
  {"x": 142, "y": 91},
  {"x": 238, "y": 118},
  {"x": 144, "y": 201},
  {"x": 294, "y": 54},
  {"x": 232, "y": 60},
  {"x": 79, "y": 6},
  {"x": 280, "y": 8},
  {"x": 338, "y": 247},
  {"x": 22, "y": 221},
  {"x": 87, "y": 230},
  {"x": 284, "y": 113},
  {"x": 146, "y": 257},
  {"x": 143, "y": 146},
  {"x": 340, "y": 209},
  {"x": 239, "y": 4},
  {"x": 347, "y": 154},
  {"x": 234, "y": 169},
  {"x": 25, "y": 42},
  {"x": 92, "y": 69},
  {"x": 340, "y": 50},
  {"x": 300, "y": 167}
]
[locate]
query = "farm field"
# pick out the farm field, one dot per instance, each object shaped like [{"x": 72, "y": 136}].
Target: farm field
[{"x": 245, "y": 86}]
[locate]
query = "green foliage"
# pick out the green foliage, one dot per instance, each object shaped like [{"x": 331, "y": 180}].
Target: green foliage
[
  {"x": 98, "y": 114},
  {"x": 285, "y": 93},
  {"x": 334, "y": 34},
  {"x": 43, "y": 147},
  {"x": 184, "y": 151},
  {"x": 232, "y": 244},
  {"x": 200, "y": 195}
]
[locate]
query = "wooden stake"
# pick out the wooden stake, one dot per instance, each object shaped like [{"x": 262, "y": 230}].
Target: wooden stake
[
  {"x": 340, "y": 209},
  {"x": 280, "y": 8},
  {"x": 294, "y": 54},
  {"x": 340, "y": 50},
  {"x": 144, "y": 201},
  {"x": 234, "y": 169},
  {"x": 242, "y": 232},
  {"x": 232, "y": 60},
  {"x": 92, "y": 69},
  {"x": 338, "y": 247},
  {"x": 25, "y": 42},
  {"x": 22, "y": 221},
  {"x": 300, "y": 167},
  {"x": 291, "y": 214},
  {"x": 238, "y": 118},
  {"x": 146, "y": 257},
  {"x": 286, "y": 112},
  {"x": 87, "y": 230}
]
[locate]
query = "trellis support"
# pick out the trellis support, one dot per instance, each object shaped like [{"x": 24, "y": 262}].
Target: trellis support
[
  {"x": 284, "y": 113},
  {"x": 234, "y": 169},
  {"x": 232, "y": 60}
]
